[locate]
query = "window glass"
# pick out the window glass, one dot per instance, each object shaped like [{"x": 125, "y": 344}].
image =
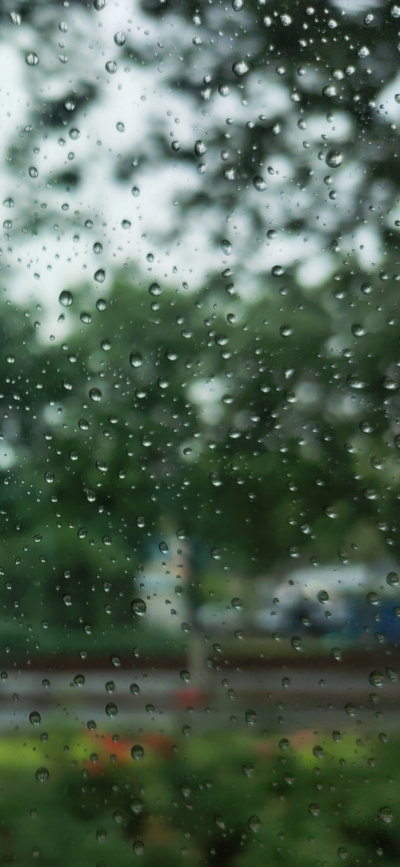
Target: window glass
[{"x": 199, "y": 433}]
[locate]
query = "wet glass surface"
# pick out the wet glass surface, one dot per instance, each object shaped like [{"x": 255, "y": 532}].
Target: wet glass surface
[{"x": 199, "y": 433}]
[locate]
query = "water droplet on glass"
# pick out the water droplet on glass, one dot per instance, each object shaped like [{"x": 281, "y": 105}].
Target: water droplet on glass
[
  {"x": 31, "y": 59},
  {"x": 42, "y": 775},
  {"x": 259, "y": 183},
  {"x": 34, "y": 717},
  {"x": 323, "y": 596},
  {"x": 385, "y": 813},
  {"x": 100, "y": 275},
  {"x": 137, "y": 752},
  {"x": 119, "y": 38},
  {"x": 392, "y": 579},
  {"x": 240, "y": 68},
  {"x": 138, "y": 847},
  {"x": 357, "y": 330},
  {"x": 135, "y": 359},
  {"x": 95, "y": 394},
  {"x": 285, "y": 331},
  {"x": 65, "y": 298},
  {"x": 314, "y": 809},
  {"x": 334, "y": 158},
  {"x": 111, "y": 709},
  {"x": 138, "y": 606},
  {"x": 376, "y": 678},
  {"x": 86, "y": 318},
  {"x": 111, "y": 66},
  {"x": 254, "y": 823}
]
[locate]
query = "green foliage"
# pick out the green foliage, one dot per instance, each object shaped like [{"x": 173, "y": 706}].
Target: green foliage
[{"x": 232, "y": 798}]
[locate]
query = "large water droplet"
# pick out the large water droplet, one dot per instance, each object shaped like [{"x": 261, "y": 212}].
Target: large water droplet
[
  {"x": 66, "y": 298},
  {"x": 259, "y": 183},
  {"x": 95, "y": 394},
  {"x": 240, "y": 68},
  {"x": 138, "y": 606},
  {"x": 42, "y": 775},
  {"x": 31, "y": 59},
  {"x": 135, "y": 359},
  {"x": 334, "y": 158},
  {"x": 137, "y": 752}
]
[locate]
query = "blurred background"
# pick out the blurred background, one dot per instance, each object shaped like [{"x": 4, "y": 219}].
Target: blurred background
[{"x": 200, "y": 432}]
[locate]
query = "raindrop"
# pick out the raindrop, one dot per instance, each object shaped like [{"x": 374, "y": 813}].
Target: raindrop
[
  {"x": 138, "y": 847},
  {"x": 240, "y": 68},
  {"x": 372, "y": 598},
  {"x": 385, "y": 814},
  {"x": 31, "y": 59},
  {"x": 42, "y": 775},
  {"x": 138, "y": 606},
  {"x": 65, "y": 298},
  {"x": 259, "y": 183},
  {"x": 155, "y": 290},
  {"x": 323, "y": 596},
  {"x": 357, "y": 330},
  {"x": 97, "y": 248},
  {"x": 137, "y": 752},
  {"x": 111, "y": 66},
  {"x": 333, "y": 158},
  {"x": 100, "y": 275},
  {"x": 250, "y": 717},
  {"x": 135, "y": 359},
  {"x": 111, "y": 709},
  {"x": 285, "y": 331},
  {"x": 318, "y": 752},
  {"x": 376, "y": 678},
  {"x": 35, "y": 718},
  {"x": 119, "y": 39},
  {"x": 33, "y": 172},
  {"x": 95, "y": 394},
  {"x": 314, "y": 809},
  {"x": 135, "y": 192},
  {"x": 199, "y": 148},
  {"x": 392, "y": 579},
  {"x": 254, "y": 823}
]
